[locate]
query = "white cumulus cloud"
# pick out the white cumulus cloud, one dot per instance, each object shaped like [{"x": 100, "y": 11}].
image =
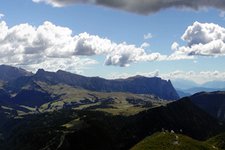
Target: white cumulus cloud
[
  {"x": 204, "y": 39},
  {"x": 123, "y": 55},
  {"x": 117, "y": 54},
  {"x": 46, "y": 46}
]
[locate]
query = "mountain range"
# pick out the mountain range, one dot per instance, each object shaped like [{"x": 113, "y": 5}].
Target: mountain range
[
  {"x": 188, "y": 84},
  {"x": 187, "y": 87},
  {"x": 63, "y": 111},
  {"x": 9, "y": 73},
  {"x": 137, "y": 85}
]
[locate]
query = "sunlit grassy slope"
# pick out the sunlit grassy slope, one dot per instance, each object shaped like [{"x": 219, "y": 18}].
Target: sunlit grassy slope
[
  {"x": 172, "y": 141},
  {"x": 218, "y": 141},
  {"x": 111, "y": 102}
]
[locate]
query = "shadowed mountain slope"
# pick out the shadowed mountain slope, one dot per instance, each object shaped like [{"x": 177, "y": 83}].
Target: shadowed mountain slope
[
  {"x": 69, "y": 129},
  {"x": 213, "y": 103},
  {"x": 9, "y": 73}
]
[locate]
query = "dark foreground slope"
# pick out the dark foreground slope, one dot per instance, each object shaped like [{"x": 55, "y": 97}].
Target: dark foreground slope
[
  {"x": 213, "y": 103},
  {"x": 70, "y": 129}
]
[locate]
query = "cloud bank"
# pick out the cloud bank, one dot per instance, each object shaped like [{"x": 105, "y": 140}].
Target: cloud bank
[
  {"x": 198, "y": 77},
  {"x": 55, "y": 46},
  {"x": 46, "y": 46},
  {"x": 142, "y": 6}
]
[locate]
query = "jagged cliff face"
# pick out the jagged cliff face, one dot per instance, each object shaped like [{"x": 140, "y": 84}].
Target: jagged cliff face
[
  {"x": 143, "y": 85},
  {"x": 138, "y": 84}
]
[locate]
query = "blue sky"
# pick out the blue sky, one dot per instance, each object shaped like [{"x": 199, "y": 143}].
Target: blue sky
[{"x": 118, "y": 25}]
